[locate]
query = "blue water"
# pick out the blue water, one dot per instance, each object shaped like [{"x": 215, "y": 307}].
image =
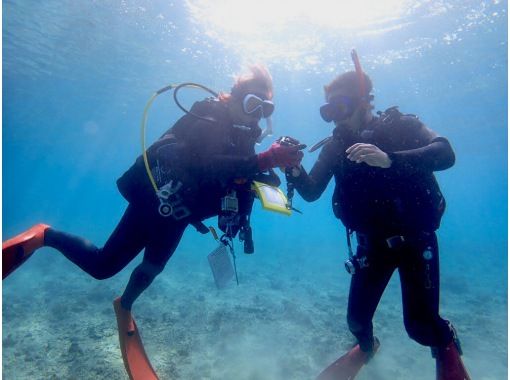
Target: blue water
[{"x": 76, "y": 76}]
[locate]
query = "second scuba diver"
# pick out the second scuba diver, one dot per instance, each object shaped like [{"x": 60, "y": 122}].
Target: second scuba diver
[
  {"x": 206, "y": 155},
  {"x": 386, "y": 194}
]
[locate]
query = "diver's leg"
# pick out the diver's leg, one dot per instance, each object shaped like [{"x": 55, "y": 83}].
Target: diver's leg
[
  {"x": 420, "y": 295},
  {"x": 126, "y": 241},
  {"x": 367, "y": 287},
  {"x": 161, "y": 246},
  {"x": 419, "y": 279}
]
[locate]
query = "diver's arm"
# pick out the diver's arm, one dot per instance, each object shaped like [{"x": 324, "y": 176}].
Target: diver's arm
[
  {"x": 432, "y": 153},
  {"x": 224, "y": 166},
  {"x": 438, "y": 155},
  {"x": 246, "y": 164},
  {"x": 214, "y": 157},
  {"x": 230, "y": 166},
  {"x": 204, "y": 143},
  {"x": 311, "y": 186}
]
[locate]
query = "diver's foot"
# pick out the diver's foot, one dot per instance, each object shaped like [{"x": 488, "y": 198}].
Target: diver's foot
[
  {"x": 17, "y": 250},
  {"x": 375, "y": 348},
  {"x": 124, "y": 318}
]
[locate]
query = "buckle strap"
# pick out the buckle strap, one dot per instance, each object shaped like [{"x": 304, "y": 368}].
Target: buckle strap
[
  {"x": 395, "y": 241},
  {"x": 391, "y": 242}
]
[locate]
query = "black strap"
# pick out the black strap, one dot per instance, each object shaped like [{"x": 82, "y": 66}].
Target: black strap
[
  {"x": 320, "y": 144},
  {"x": 349, "y": 233},
  {"x": 201, "y": 227},
  {"x": 227, "y": 240}
]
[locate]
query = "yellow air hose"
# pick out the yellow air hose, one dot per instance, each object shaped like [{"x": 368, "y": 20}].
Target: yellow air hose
[
  {"x": 144, "y": 127},
  {"x": 144, "y": 152},
  {"x": 146, "y": 112}
]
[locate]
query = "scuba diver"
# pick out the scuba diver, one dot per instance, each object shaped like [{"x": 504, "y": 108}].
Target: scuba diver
[
  {"x": 386, "y": 194},
  {"x": 181, "y": 179}
]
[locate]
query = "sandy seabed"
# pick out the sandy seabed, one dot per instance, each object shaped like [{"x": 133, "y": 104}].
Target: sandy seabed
[{"x": 286, "y": 320}]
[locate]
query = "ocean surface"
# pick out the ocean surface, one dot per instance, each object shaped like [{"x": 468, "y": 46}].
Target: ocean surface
[{"x": 76, "y": 78}]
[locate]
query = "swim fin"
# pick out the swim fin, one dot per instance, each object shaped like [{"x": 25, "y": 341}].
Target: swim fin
[
  {"x": 449, "y": 365},
  {"x": 348, "y": 365},
  {"x": 17, "y": 250},
  {"x": 135, "y": 359}
]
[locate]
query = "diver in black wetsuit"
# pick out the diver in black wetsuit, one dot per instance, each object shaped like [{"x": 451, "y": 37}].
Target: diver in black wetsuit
[
  {"x": 386, "y": 194},
  {"x": 207, "y": 153}
]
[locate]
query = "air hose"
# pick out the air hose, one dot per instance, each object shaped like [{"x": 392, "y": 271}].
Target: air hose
[{"x": 176, "y": 88}]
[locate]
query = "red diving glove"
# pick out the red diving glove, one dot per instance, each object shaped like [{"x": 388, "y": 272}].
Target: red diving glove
[{"x": 280, "y": 156}]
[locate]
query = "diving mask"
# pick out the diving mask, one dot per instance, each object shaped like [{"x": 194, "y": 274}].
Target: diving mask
[
  {"x": 338, "y": 108},
  {"x": 252, "y": 104}
]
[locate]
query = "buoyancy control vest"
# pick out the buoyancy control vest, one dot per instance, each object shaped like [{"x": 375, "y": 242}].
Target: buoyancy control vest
[
  {"x": 386, "y": 201},
  {"x": 170, "y": 159}
]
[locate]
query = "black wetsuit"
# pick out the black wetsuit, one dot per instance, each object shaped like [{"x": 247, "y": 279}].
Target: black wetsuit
[
  {"x": 207, "y": 157},
  {"x": 403, "y": 204}
]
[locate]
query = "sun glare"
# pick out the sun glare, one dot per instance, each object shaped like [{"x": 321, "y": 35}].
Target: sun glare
[
  {"x": 247, "y": 17},
  {"x": 287, "y": 28}
]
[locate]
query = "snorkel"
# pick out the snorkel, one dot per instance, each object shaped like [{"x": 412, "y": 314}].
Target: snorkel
[
  {"x": 268, "y": 131},
  {"x": 361, "y": 76}
]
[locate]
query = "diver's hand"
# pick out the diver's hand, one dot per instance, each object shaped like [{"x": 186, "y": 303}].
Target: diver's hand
[
  {"x": 369, "y": 154},
  {"x": 279, "y": 155}
]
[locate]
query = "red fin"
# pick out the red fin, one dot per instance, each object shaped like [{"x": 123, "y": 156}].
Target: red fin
[
  {"x": 348, "y": 365},
  {"x": 17, "y": 250},
  {"x": 449, "y": 365},
  {"x": 136, "y": 361}
]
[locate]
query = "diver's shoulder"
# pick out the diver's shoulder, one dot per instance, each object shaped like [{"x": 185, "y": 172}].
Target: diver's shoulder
[
  {"x": 210, "y": 111},
  {"x": 210, "y": 105},
  {"x": 394, "y": 117}
]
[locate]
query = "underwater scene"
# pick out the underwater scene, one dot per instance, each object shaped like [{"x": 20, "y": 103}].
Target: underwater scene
[{"x": 80, "y": 106}]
